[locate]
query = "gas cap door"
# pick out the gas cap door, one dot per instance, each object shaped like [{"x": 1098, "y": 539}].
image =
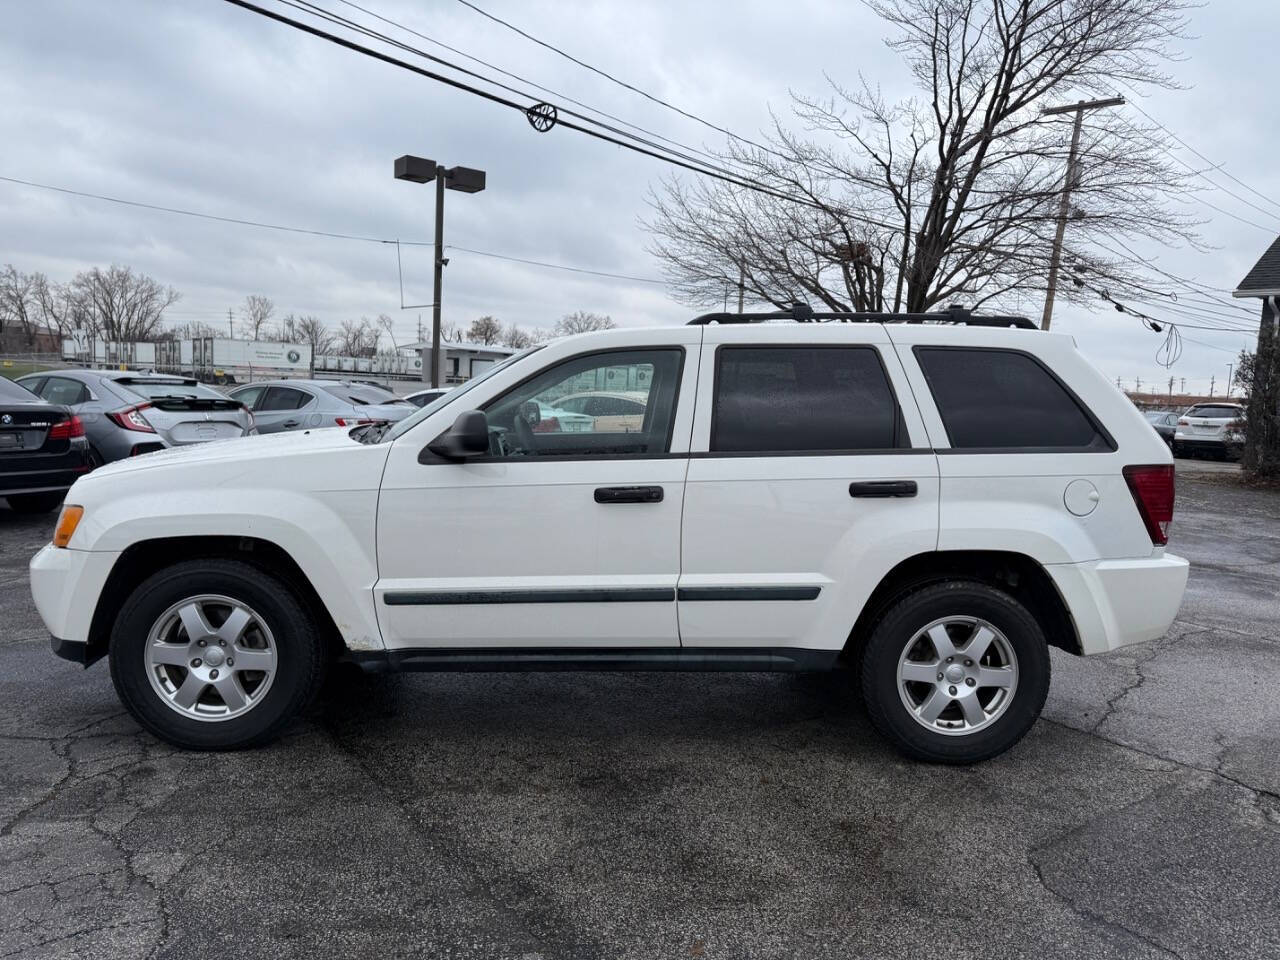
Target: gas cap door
[{"x": 1081, "y": 497}]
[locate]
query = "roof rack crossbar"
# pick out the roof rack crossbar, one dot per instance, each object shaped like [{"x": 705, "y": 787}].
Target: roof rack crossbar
[{"x": 803, "y": 313}]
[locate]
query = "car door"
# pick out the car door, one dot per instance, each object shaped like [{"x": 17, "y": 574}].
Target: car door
[
  {"x": 810, "y": 477},
  {"x": 282, "y": 408},
  {"x": 555, "y": 539}
]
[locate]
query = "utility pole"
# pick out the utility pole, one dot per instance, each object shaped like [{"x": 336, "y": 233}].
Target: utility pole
[
  {"x": 1230, "y": 368},
  {"x": 1118, "y": 387},
  {"x": 1137, "y": 385},
  {"x": 742, "y": 283},
  {"x": 1171, "y": 387},
  {"x": 1064, "y": 204},
  {"x": 231, "y": 324},
  {"x": 1211, "y": 379},
  {"x": 1182, "y": 387}
]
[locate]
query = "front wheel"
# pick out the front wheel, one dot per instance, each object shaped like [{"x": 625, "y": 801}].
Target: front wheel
[
  {"x": 955, "y": 672},
  {"x": 215, "y": 654}
]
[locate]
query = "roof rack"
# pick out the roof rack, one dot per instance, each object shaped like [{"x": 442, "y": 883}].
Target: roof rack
[{"x": 803, "y": 313}]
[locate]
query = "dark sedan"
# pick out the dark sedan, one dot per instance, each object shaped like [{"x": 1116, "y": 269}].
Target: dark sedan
[
  {"x": 1163, "y": 422},
  {"x": 43, "y": 450}
]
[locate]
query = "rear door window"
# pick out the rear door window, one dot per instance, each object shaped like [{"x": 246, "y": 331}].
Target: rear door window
[
  {"x": 65, "y": 391},
  {"x": 283, "y": 398},
  {"x": 803, "y": 399},
  {"x": 991, "y": 399}
]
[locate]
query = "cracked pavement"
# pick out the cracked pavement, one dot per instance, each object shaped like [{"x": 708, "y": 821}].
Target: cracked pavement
[{"x": 666, "y": 815}]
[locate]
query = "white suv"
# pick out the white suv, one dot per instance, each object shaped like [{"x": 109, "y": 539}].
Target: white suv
[{"x": 933, "y": 501}]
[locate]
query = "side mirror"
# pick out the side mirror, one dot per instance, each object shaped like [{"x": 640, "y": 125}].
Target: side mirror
[
  {"x": 531, "y": 412},
  {"x": 468, "y": 437}
]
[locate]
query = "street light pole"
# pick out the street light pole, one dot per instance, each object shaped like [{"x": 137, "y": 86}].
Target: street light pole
[
  {"x": 1064, "y": 204},
  {"x": 464, "y": 180}
]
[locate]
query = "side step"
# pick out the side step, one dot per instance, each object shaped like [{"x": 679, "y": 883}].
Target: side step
[{"x": 524, "y": 659}]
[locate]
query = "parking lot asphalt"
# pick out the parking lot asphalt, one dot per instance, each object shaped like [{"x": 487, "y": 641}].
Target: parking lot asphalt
[{"x": 666, "y": 815}]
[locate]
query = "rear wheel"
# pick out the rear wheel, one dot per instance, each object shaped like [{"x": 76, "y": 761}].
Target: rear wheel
[
  {"x": 35, "y": 502},
  {"x": 955, "y": 672},
  {"x": 215, "y": 655}
]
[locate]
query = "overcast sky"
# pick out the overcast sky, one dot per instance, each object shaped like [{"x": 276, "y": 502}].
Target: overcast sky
[{"x": 201, "y": 105}]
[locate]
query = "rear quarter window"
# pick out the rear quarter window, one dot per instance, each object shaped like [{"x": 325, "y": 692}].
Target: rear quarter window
[{"x": 992, "y": 399}]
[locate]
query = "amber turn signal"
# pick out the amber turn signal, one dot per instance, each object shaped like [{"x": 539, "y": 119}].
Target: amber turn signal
[{"x": 68, "y": 520}]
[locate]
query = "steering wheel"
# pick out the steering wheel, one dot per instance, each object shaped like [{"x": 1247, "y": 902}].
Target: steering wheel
[{"x": 524, "y": 435}]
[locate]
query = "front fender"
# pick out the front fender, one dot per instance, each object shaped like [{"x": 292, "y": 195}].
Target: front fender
[{"x": 329, "y": 535}]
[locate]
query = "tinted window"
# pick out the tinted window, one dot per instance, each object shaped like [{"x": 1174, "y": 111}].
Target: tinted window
[
  {"x": 62, "y": 390},
  {"x": 283, "y": 398},
  {"x": 170, "y": 388},
  {"x": 15, "y": 391},
  {"x": 1002, "y": 399},
  {"x": 528, "y": 422},
  {"x": 1214, "y": 412},
  {"x": 819, "y": 399}
]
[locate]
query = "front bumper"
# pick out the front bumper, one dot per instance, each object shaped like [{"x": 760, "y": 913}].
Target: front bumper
[
  {"x": 66, "y": 585},
  {"x": 1115, "y": 603}
]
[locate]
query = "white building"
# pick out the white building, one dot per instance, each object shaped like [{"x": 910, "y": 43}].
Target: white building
[{"x": 458, "y": 361}]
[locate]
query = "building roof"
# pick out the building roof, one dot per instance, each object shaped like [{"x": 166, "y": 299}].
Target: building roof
[{"x": 1264, "y": 279}]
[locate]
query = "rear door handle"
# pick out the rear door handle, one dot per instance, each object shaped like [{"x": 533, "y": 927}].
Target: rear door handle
[
  {"x": 628, "y": 494},
  {"x": 882, "y": 488},
  {"x": 290, "y": 424}
]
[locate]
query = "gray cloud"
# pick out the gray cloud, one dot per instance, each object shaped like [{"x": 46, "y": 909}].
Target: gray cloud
[{"x": 204, "y": 106}]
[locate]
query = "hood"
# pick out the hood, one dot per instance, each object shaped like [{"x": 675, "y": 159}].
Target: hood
[{"x": 249, "y": 449}]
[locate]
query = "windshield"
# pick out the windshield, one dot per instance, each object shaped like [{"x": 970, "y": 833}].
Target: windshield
[
  {"x": 169, "y": 388},
  {"x": 415, "y": 418},
  {"x": 361, "y": 394}
]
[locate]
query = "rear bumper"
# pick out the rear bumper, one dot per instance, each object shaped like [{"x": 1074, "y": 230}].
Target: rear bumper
[
  {"x": 52, "y": 477},
  {"x": 1115, "y": 603}
]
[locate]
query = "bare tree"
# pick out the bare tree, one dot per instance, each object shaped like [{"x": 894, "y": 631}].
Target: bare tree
[
  {"x": 951, "y": 196},
  {"x": 583, "y": 321},
  {"x": 60, "y": 307},
  {"x": 20, "y": 302},
  {"x": 513, "y": 336},
  {"x": 255, "y": 314},
  {"x": 358, "y": 338},
  {"x": 311, "y": 329},
  {"x": 194, "y": 329},
  {"x": 485, "y": 330},
  {"x": 118, "y": 304}
]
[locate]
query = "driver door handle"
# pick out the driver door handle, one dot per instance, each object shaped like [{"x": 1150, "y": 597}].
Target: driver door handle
[
  {"x": 882, "y": 488},
  {"x": 628, "y": 494},
  {"x": 289, "y": 423}
]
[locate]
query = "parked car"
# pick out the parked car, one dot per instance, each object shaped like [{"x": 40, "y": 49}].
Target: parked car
[
  {"x": 936, "y": 503},
  {"x": 421, "y": 398},
  {"x": 42, "y": 450},
  {"x": 1163, "y": 423},
  {"x": 619, "y": 412},
  {"x": 280, "y": 405},
  {"x": 127, "y": 413},
  {"x": 1212, "y": 428}
]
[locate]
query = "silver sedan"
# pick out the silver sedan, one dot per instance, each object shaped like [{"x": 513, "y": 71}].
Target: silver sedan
[{"x": 280, "y": 405}]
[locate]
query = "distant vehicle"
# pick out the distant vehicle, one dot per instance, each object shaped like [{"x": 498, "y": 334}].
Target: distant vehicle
[
  {"x": 280, "y": 405},
  {"x": 42, "y": 450},
  {"x": 551, "y": 418},
  {"x": 126, "y": 414},
  {"x": 422, "y": 397},
  {"x": 620, "y": 412},
  {"x": 1163, "y": 422},
  {"x": 1213, "y": 428}
]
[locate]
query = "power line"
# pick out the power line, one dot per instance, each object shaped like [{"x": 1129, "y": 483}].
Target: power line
[
  {"x": 532, "y": 83},
  {"x": 613, "y": 79},
  {"x": 716, "y": 174},
  {"x": 322, "y": 233}
]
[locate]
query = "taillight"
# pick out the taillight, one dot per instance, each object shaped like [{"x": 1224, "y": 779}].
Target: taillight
[
  {"x": 131, "y": 418},
  {"x": 1184, "y": 422},
  {"x": 352, "y": 421},
  {"x": 67, "y": 429},
  {"x": 1152, "y": 489}
]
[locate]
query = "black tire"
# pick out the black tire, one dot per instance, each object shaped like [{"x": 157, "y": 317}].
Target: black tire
[
  {"x": 301, "y": 659},
  {"x": 898, "y": 628},
  {"x": 1177, "y": 449},
  {"x": 35, "y": 502}
]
